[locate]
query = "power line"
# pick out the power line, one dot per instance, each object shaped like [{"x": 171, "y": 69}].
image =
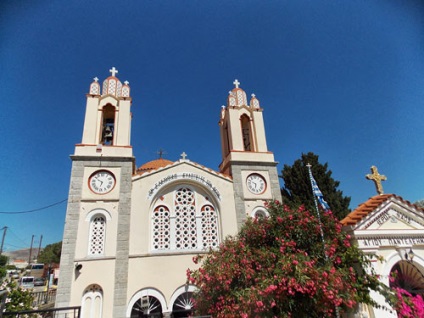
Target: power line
[{"x": 33, "y": 210}]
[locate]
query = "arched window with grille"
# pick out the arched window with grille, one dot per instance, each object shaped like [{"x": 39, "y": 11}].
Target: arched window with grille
[
  {"x": 188, "y": 221},
  {"x": 209, "y": 227},
  {"x": 97, "y": 235},
  {"x": 161, "y": 228}
]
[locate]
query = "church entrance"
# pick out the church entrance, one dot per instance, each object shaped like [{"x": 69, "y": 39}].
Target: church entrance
[
  {"x": 183, "y": 306},
  {"x": 406, "y": 275},
  {"x": 147, "y": 306}
]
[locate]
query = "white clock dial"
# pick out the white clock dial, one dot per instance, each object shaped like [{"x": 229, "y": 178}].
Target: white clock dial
[
  {"x": 256, "y": 183},
  {"x": 102, "y": 182}
]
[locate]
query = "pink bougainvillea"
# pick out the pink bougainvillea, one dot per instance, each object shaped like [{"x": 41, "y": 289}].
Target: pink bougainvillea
[{"x": 279, "y": 267}]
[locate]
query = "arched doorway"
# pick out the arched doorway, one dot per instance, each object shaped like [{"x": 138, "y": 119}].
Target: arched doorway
[
  {"x": 147, "y": 306},
  {"x": 183, "y": 305},
  {"x": 407, "y": 276}
]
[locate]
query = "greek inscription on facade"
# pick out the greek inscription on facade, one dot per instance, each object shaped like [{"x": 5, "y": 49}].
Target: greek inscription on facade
[
  {"x": 184, "y": 176},
  {"x": 393, "y": 241}
]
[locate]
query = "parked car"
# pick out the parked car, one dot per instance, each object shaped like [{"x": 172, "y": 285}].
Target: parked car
[
  {"x": 27, "y": 282},
  {"x": 39, "y": 282}
]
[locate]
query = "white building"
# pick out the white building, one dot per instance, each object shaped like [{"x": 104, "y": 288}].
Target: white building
[
  {"x": 131, "y": 233},
  {"x": 391, "y": 228}
]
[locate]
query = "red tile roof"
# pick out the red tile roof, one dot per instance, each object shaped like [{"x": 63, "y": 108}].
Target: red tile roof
[
  {"x": 371, "y": 205},
  {"x": 153, "y": 165}
]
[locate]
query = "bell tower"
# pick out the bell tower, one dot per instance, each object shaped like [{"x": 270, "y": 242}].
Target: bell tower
[
  {"x": 245, "y": 154},
  {"x": 99, "y": 202},
  {"x": 107, "y": 119}
]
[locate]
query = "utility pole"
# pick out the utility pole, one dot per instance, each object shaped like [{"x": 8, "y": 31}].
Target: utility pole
[
  {"x": 39, "y": 247},
  {"x": 2, "y": 240},
  {"x": 30, "y": 250}
]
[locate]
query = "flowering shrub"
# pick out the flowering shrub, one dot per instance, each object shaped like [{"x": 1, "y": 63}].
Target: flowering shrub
[
  {"x": 18, "y": 298},
  {"x": 276, "y": 267},
  {"x": 407, "y": 305}
]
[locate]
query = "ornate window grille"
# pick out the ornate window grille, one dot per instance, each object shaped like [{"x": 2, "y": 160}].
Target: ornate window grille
[{"x": 97, "y": 235}]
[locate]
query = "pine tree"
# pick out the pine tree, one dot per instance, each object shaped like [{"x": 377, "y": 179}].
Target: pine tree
[{"x": 297, "y": 186}]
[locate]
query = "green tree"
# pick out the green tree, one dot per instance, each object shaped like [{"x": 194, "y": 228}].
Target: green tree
[
  {"x": 277, "y": 267},
  {"x": 51, "y": 254},
  {"x": 3, "y": 260},
  {"x": 297, "y": 186},
  {"x": 420, "y": 203}
]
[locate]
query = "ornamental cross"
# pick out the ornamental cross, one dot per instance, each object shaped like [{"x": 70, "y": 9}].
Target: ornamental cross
[
  {"x": 183, "y": 155},
  {"x": 236, "y": 83},
  {"x": 376, "y": 178},
  {"x": 96, "y": 79},
  {"x": 113, "y": 70},
  {"x": 161, "y": 152},
  {"x": 126, "y": 82}
]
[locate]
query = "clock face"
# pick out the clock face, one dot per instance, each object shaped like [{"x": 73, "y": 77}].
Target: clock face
[
  {"x": 101, "y": 182},
  {"x": 256, "y": 183}
]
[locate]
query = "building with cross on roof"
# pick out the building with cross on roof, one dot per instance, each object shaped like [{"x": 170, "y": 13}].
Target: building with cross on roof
[
  {"x": 389, "y": 228},
  {"x": 131, "y": 231}
]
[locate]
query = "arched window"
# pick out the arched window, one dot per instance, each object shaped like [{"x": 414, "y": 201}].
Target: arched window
[
  {"x": 185, "y": 219},
  {"x": 259, "y": 212},
  {"x": 209, "y": 227},
  {"x": 161, "y": 228},
  {"x": 108, "y": 125},
  {"x": 97, "y": 235},
  {"x": 246, "y": 133},
  {"x": 92, "y": 302},
  {"x": 187, "y": 224}
]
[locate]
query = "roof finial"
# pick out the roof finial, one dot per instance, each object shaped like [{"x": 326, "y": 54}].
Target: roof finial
[
  {"x": 183, "y": 155},
  {"x": 126, "y": 82},
  {"x": 96, "y": 79},
  {"x": 236, "y": 83},
  {"x": 376, "y": 178},
  {"x": 114, "y": 71},
  {"x": 161, "y": 152}
]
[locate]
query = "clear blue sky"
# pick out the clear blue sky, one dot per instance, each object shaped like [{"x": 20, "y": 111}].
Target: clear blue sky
[{"x": 343, "y": 79}]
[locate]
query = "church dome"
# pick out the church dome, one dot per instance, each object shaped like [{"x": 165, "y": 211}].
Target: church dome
[
  {"x": 237, "y": 96},
  {"x": 154, "y": 164}
]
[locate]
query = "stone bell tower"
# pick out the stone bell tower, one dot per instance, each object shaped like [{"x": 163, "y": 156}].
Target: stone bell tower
[
  {"x": 99, "y": 201},
  {"x": 245, "y": 155}
]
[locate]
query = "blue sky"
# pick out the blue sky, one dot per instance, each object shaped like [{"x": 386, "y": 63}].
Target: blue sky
[{"x": 343, "y": 79}]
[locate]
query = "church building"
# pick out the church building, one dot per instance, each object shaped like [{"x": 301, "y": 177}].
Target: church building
[
  {"x": 131, "y": 231},
  {"x": 390, "y": 230}
]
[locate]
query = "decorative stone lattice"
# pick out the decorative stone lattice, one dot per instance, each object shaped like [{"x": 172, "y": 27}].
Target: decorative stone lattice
[
  {"x": 93, "y": 289},
  {"x": 97, "y": 235},
  {"x": 161, "y": 228},
  {"x": 111, "y": 87},
  {"x": 209, "y": 227},
  {"x": 125, "y": 91},
  {"x": 231, "y": 100},
  {"x": 94, "y": 88},
  {"x": 241, "y": 98},
  {"x": 119, "y": 89},
  {"x": 185, "y": 219}
]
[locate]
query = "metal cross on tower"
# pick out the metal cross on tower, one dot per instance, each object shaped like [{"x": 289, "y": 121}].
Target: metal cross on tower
[{"x": 376, "y": 178}]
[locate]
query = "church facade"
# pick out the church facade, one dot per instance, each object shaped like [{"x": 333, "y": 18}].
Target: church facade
[
  {"x": 131, "y": 232},
  {"x": 390, "y": 230}
]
